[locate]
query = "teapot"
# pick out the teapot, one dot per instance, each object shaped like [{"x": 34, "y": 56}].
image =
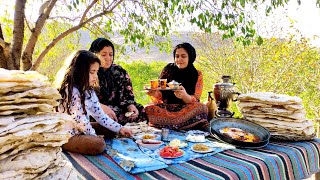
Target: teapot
[
  {"x": 173, "y": 84},
  {"x": 224, "y": 94}
]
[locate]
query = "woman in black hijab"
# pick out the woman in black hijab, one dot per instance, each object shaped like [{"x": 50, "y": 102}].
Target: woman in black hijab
[
  {"x": 116, "y": 92},
  {"x": 179, "y": 109}
]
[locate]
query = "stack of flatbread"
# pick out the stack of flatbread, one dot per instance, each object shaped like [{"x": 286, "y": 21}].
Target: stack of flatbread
[
  {"x": 31, "y": 133},
  {"x": 284, "y": 116}
]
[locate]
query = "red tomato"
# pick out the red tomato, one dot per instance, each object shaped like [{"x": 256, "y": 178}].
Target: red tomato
[
  {"x": 177, "y": 154},
  {"x": 165, "y": 154}
]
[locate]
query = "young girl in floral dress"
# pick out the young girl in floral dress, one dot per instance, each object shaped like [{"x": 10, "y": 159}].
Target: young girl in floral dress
[{"x": 80, "y": 101}]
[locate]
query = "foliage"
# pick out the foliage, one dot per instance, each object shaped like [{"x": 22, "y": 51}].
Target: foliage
[
  {"x": 280, "y": 66},
  {"x": 140, "y": 73},
  {"x": 139, "y": 22},
  {"x": 55, "y": 58}
]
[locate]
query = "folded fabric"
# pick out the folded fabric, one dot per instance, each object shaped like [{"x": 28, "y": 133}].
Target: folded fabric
[{"x": 126, "y": 153}]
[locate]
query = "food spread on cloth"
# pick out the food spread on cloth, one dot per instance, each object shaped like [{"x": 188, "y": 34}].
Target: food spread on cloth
[
  {"x": 31, "y": 134},
  {"x": 239, "y": 134},
  {"x": 283, "y": 115}
]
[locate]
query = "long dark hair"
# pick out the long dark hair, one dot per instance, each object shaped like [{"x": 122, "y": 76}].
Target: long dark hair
[
  {"x": 98, "y": 44},
  {"x": 77, "y": 75}
]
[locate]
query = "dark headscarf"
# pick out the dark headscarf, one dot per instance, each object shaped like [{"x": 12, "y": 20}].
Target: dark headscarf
[
  {"x": 106, "y": 80},
  {"x": 98, "y": 44},
  {"x": 188, "y": 76}
]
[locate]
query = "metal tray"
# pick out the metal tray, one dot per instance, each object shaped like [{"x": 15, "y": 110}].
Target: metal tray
[{"x": 219, "y": 123}]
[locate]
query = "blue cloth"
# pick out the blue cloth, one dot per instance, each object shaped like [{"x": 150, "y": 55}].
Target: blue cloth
[{"x": 134, "y": 159}]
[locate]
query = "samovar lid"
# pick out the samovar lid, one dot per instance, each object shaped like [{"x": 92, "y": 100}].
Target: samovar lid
[{"x": 225, "y": 82}]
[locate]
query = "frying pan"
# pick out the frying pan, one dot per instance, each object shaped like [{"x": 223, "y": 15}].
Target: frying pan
[{"x": 220, "y": 123}]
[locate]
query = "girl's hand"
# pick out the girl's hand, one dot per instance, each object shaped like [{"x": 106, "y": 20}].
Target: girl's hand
[
  {"x": 125, "y": 132},
  {"x": 106, "y": 109},
  {"x": 132, "y": 108}
]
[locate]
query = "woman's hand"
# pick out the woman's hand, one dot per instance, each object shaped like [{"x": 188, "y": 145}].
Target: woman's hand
[
  {"x": 132, "y": 108},
  {"x": 181, "y": 93},
  {"x": 106, "y": 109},
  {"x": 125, "y": 132}
]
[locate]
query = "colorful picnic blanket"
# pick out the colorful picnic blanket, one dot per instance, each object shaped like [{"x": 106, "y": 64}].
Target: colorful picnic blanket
[
  {"x": 135, "y": 159},
  {"x": 278, "y": 160}
]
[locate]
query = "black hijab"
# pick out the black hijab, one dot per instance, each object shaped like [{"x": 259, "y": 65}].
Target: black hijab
[
  {"x": 188, "y": 76},
  {"x": 98, "y": 44},
  {"x": 106, "y": 80}
]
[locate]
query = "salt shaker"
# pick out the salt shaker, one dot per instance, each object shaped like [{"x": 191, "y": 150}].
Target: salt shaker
[{"x": 164, "y": 134}]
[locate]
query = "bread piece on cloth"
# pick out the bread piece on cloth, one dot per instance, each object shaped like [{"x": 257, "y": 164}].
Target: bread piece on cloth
[
  {"x": 55, "y": 168},
  {"x": 269, "y": 98},
  {"x": 251, "y": 105},
  {"x": 31, "y": 160},
  {"x": 41, "y": 93},
  {"x": 30, "y": 101},
  {"x": 20, "y": 76},
  {"x": 14, "y": 87},
  {"x": 296, "y": 117},
  {"x": 12, "y": 121},
  {"x": 25, "y": 108},
  {"x": 35, "y": 125}
]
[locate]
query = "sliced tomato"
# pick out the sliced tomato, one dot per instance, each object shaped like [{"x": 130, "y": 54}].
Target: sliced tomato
[
  {"x": 165, "y": 154},
  {"x": 177, "y": 154}
]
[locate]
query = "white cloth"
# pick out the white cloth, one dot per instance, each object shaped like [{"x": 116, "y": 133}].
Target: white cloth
[{"x": 93, "y": 108}]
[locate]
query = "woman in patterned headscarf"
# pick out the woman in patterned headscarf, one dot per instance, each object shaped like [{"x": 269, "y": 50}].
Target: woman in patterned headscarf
[
  {"x": 179, "y": 109},
  {"x": 116, "y": 92}
]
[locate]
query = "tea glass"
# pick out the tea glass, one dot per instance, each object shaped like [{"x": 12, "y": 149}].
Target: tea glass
[
  {"x": 163, "y": 83},
  {"x": 154, "y": 84}
]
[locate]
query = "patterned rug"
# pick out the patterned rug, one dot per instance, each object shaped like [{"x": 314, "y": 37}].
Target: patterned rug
[{"x": 278, "y": 160}]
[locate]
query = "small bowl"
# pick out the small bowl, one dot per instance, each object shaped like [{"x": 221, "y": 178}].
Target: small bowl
[{"x": 149, "y": 146}]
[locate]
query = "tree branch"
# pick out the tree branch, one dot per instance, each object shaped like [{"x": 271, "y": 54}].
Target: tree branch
[
  {"x": 69, "y": 31},
  {"x": 27, "y": 23},
  {"x": 28, "y": 51},
  {"x": 63, "y": 17},
  {"x": 18, "y": 34},
  {"x": 87, "y": 10}
]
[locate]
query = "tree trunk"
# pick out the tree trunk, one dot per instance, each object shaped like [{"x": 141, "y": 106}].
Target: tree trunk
[
  {"x": 4, "y": 51},
  {"x": 28, "y": 51},
  {"x": 18, "y": 34}
]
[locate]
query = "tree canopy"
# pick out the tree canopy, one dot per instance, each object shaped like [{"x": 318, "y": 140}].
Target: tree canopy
[{"x": 140, "y": 22}]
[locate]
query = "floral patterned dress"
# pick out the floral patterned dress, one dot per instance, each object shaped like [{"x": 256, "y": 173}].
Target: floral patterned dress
[
  {"x": 81, "y": 124},
  {"x": 116, "y": 92},
  {"x": 163, "y": 114}
]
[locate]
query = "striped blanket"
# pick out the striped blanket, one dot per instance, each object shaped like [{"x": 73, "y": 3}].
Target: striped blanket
[{"x": 278, "y": 160}]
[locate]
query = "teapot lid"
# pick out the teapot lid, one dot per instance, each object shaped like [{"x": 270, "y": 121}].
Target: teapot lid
[
  {"x": 173, "y": 82},
  {"x": 225, "y": 82}
]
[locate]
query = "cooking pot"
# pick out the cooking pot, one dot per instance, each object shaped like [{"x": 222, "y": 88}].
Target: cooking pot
[{"x": 219, "y": 123}]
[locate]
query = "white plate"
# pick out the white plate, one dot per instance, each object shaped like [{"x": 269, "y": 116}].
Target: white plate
[
  {"x": 196, "y": 141},
  {"x": 140, "y": 136},
  {"x": 197, "y": 132},
  {"x": 209, "y": 150}
]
